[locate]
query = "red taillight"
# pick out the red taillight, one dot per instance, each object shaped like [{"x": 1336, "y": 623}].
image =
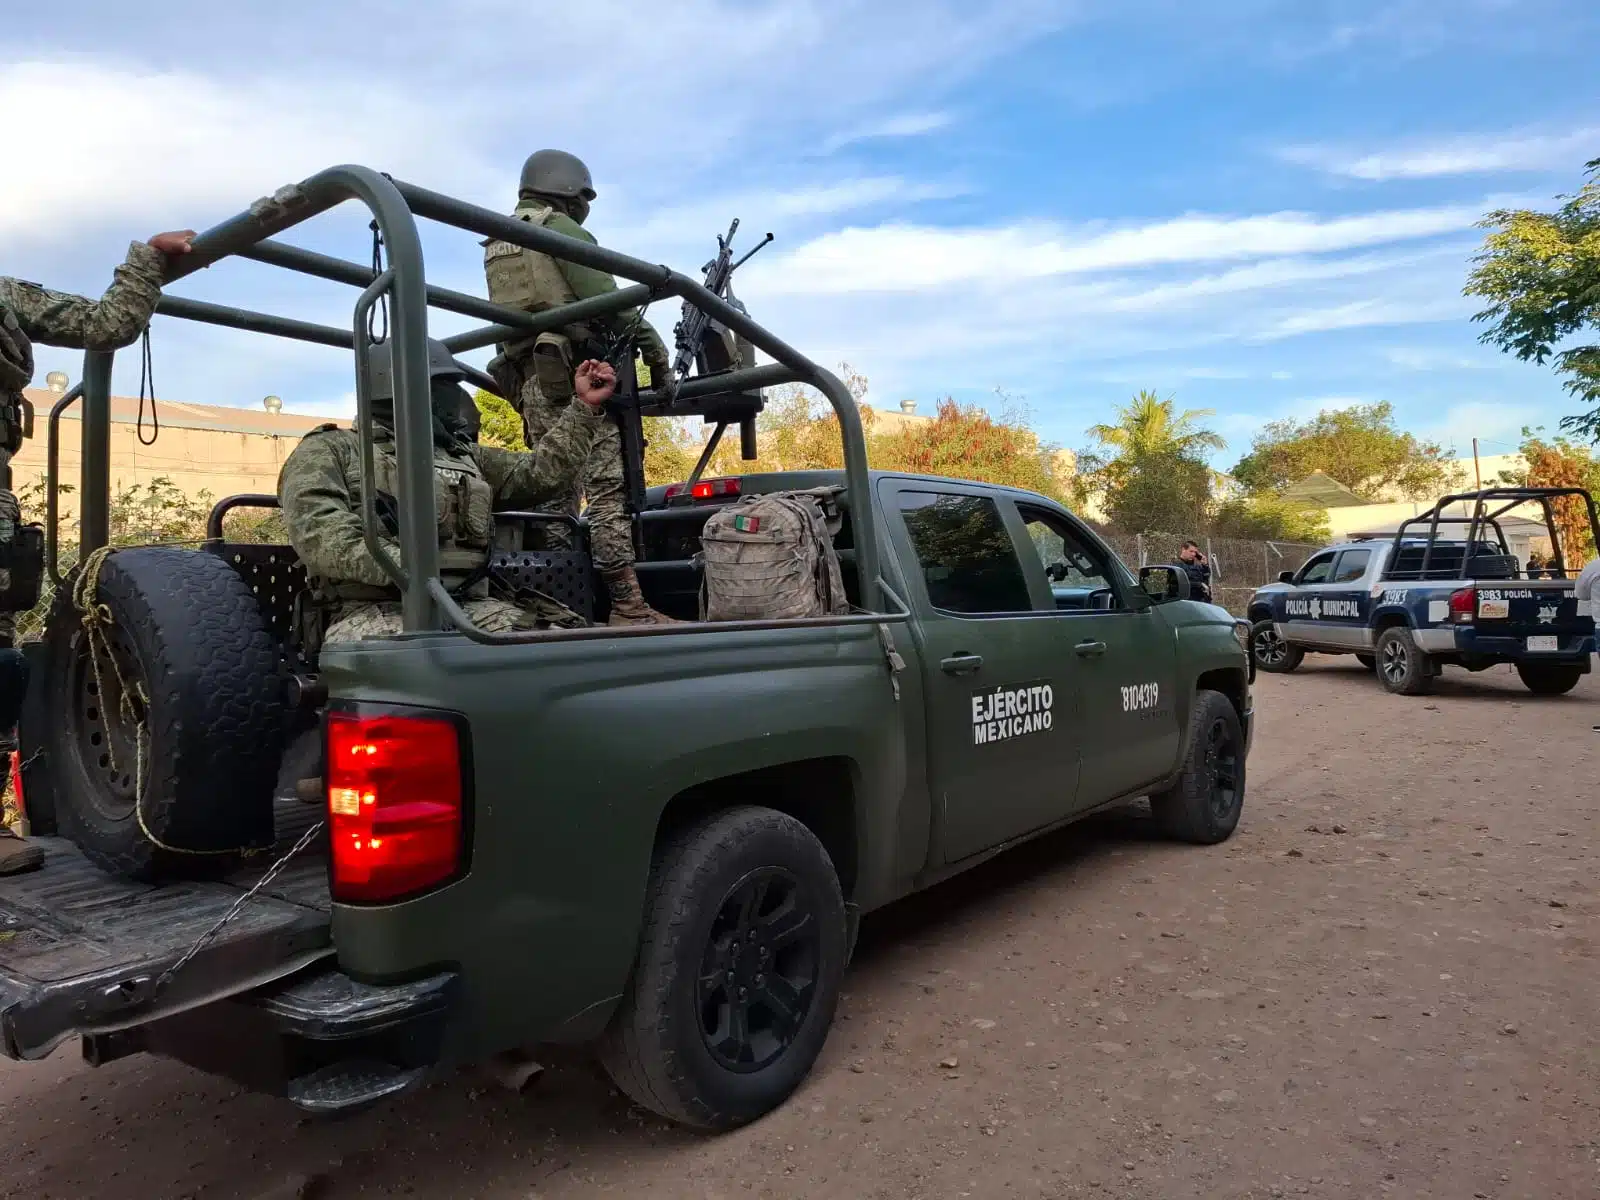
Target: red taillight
[
  {"x": 394, "y": 804},
  {"x": 1463, "y": 603},
  {"x": 706, "y": 489}
]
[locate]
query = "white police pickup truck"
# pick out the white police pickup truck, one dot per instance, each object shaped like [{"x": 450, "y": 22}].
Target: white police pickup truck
[{"x": 1409, "y": 605}]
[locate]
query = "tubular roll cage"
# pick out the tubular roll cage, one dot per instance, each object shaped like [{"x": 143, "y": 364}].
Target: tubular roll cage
[
  {"x": 1481, "y": 517},
  {"x": 395, "y": 206}
]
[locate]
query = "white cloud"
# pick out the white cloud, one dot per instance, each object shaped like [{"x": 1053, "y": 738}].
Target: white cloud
[
  {"x": 1414, "y": 358},
  {"x": 903, "y": 125},
  {"x": 903, "y": 257},
  {"x": 1466, "y": 154},
  {"x": 1359, "y": 313}
]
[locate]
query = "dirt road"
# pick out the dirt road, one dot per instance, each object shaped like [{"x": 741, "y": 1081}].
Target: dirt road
[{"x": 1386, "y": 984}]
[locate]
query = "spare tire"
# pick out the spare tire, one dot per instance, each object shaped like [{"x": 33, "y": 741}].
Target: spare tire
[{"x": 182, "y": 629}]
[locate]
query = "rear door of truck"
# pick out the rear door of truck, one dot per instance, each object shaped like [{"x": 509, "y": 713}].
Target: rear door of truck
[
  {"x": 1003, "y": 745},
  {"x": 1530, "y": 618},
  {"x": 83, "y": 952}
]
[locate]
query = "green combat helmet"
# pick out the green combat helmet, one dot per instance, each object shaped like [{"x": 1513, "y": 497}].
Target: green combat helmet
[
  {"x": 380, "y": 368},
  {"x": 559, "y": 176}
]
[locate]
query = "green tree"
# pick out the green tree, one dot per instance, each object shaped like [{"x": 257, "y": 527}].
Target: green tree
[
  {"x": 1148, "y": 470},
  {"x": 1540, "y": 273},
  {"x": 1559, "y": 462},
  {"x": 1360, "y": 447},
  {"x": 501, "y": 424},
  {"x": 1151, "y": 425},
  {"x": 1269, "y": 518},
  {"x": 966, "y": 442}
]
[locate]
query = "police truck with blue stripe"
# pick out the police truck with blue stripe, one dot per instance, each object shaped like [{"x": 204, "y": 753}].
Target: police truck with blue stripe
[{"x": 1443, "y": 590}]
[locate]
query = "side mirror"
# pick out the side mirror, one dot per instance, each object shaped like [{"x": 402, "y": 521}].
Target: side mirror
[
  {"x": 1285, "y": 576},
  {"x": 1165, "y": 583}
]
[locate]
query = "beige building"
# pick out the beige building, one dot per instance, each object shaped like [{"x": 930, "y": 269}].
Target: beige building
[{"x": 200, "y": 448}]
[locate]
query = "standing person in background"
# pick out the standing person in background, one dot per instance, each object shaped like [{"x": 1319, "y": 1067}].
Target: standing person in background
[
  {"x": 1535, "y": 565},
  {"x": 1198, "y": 568}
]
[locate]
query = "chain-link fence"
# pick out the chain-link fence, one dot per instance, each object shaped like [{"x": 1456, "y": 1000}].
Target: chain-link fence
[{"x": 1238, "y": 567}]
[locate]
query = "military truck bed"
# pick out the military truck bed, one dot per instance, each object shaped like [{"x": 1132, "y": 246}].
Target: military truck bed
[{"x": 82, "y": 951}]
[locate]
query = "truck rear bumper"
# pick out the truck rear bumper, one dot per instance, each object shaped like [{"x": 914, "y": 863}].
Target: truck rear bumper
[
  {"x": 327, "y": 1042},
  {"x": 1470, "y": 643}
]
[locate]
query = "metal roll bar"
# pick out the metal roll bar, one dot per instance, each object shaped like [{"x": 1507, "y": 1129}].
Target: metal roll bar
[{"x": 395, "y": 205}]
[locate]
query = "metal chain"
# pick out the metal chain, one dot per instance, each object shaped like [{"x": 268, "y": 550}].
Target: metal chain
[{"x": 235, "y": 909}]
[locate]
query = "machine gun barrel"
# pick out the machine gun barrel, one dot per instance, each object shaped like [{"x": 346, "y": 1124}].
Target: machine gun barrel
[{"x": 691, "y": 328}]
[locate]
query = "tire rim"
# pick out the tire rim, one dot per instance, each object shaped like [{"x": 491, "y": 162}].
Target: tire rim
[
  {"x": 1396, "y": 661},
  {"x": 758, "y": 976},
  {"x": 1271, "y": 650},
  {"x": 1222, "y": 768},
  {"x": 104, "y": 738}
]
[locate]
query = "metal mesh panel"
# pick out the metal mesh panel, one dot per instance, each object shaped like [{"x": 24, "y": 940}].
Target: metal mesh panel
[
  {"x": 275, "y": 576},
  {"x": 564, "y": 575}
]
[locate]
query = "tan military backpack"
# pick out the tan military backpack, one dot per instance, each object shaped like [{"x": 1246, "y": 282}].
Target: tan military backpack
[{"x": 770, "y": 558}]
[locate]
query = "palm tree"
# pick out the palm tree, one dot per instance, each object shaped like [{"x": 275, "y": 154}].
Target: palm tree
[{"x": 1151, "y": 425}]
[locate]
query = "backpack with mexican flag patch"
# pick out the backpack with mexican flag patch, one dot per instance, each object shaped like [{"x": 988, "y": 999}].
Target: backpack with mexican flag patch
[{"x": 771, "y": 558}]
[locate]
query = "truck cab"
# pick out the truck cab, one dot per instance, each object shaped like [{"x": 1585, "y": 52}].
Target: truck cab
[{"x": 1444, "y": 590}]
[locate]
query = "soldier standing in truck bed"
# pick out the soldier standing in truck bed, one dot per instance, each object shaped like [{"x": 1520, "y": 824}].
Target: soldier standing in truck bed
[
  {"x": 536, "y": 373},
  {"x": 30, "y": 313}
]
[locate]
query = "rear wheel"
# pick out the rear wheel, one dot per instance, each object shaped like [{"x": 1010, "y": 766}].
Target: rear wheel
[
  {"x": 1204, "y": 805},
  {"x": 1549, "y": 679},
  {"x": 738, "y": 972},
  {"x": 1402, "y": 667},
  {"x": 1271, "y": 652}
]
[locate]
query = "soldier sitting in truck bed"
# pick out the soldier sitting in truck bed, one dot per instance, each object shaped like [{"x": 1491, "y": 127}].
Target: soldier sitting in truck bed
[{"x": 320, "y": 491}]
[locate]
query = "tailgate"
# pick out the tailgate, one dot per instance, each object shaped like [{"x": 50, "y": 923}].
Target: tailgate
[
  {"x": 81, "y": 951},
  {"x": 1536, "y": 608}
]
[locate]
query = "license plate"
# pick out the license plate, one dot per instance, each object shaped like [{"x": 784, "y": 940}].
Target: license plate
[
  {"x": 1492, "y": 609},
  {"x": 1543, "y": 644}
]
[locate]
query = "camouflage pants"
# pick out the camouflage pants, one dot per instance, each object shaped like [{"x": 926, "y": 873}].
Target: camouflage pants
[
  {"x": 352, "y": 622},
  {"x": 600, "y": 483},
  {"x": 10, "y": 515}
]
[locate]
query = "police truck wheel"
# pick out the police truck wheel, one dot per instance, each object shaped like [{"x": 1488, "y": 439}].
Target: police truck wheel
[
  {"x": 1402, "y": 667},
  {"x": 1203, "y": 806},
  {"x": 1271, "y": 652},
  {"x": 189, "y": 688},
  {"x": 738, "y": 973},
  {"x": 1549, "y": 679}
]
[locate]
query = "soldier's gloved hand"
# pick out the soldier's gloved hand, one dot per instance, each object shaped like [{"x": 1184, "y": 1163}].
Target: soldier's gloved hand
[
  {"x": 594, "y": 381},
  {"x": 178, "y": 241}
]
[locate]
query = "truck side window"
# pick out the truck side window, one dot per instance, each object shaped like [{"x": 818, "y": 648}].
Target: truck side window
[
  {"x": 1352, "y": 566},
  {"x": 968, "y": 561},
  {"x": 1317, "y": 570},
  {"x": 1078, "y": 574}
]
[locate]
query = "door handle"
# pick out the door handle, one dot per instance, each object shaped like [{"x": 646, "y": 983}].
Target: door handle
[
  {"x": 961, "y": 664},
  {"x": 1090, "y": 649}
]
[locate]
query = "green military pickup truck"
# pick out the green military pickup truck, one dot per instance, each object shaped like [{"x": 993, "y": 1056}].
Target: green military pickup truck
[{"x": 655, "y": 840}]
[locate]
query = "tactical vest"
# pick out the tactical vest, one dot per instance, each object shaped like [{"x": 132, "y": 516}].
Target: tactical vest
[
  {"x": 526, "y": 279},
  {"x": 463, "y": 515},
  {"x": 16, "y": 372}
]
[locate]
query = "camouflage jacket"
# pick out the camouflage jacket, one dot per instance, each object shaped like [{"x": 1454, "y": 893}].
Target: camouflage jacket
[
  {"x": 320, "y": 491},
  {"x": 113, "y": 321}
]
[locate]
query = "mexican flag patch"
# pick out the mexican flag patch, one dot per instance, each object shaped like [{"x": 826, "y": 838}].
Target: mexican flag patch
[{"x": 747, "y": 524}]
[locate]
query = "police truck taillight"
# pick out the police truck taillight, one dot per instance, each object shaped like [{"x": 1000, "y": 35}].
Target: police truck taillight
[
  {"x": 395, "y": 803},
  {"x": 1463, "y": 603}
]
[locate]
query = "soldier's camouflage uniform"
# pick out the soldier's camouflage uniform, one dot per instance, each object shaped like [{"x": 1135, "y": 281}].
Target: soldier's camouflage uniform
[
  {"x": 320, "y": 491},
  {"x": 73, "y": 322},
  {"x": 540, "y": 370}
]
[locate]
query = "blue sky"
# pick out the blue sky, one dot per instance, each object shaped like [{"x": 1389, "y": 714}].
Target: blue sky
[{"x": 1264, "y": 207}]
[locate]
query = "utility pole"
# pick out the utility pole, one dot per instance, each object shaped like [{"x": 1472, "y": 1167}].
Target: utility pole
[{"x": 1476, "y": 473}]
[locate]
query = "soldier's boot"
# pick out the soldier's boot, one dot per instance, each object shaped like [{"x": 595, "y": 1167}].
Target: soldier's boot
[
  {"x": 628, "y": 605},
  {"x": 18, "y": 856}
]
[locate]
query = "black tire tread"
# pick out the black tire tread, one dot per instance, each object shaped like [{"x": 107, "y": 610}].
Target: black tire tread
[
  {"x": 636, "y": 1049},
  {"x": 216, "y": 718},
  {"x": 1419, "y": 682},
  {"x": 1549, "y": 679},
  {"x": 1182, "y": 811}
]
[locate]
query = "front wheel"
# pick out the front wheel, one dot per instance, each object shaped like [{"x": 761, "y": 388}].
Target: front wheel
[
  {"x": 1204, "y": 805},
  {"x": 1271, "y": 652},
  {"x": 738, "y": 974},
  {"x": 1549, "y": 679},
  {"x": 1403, "y": 668}
]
